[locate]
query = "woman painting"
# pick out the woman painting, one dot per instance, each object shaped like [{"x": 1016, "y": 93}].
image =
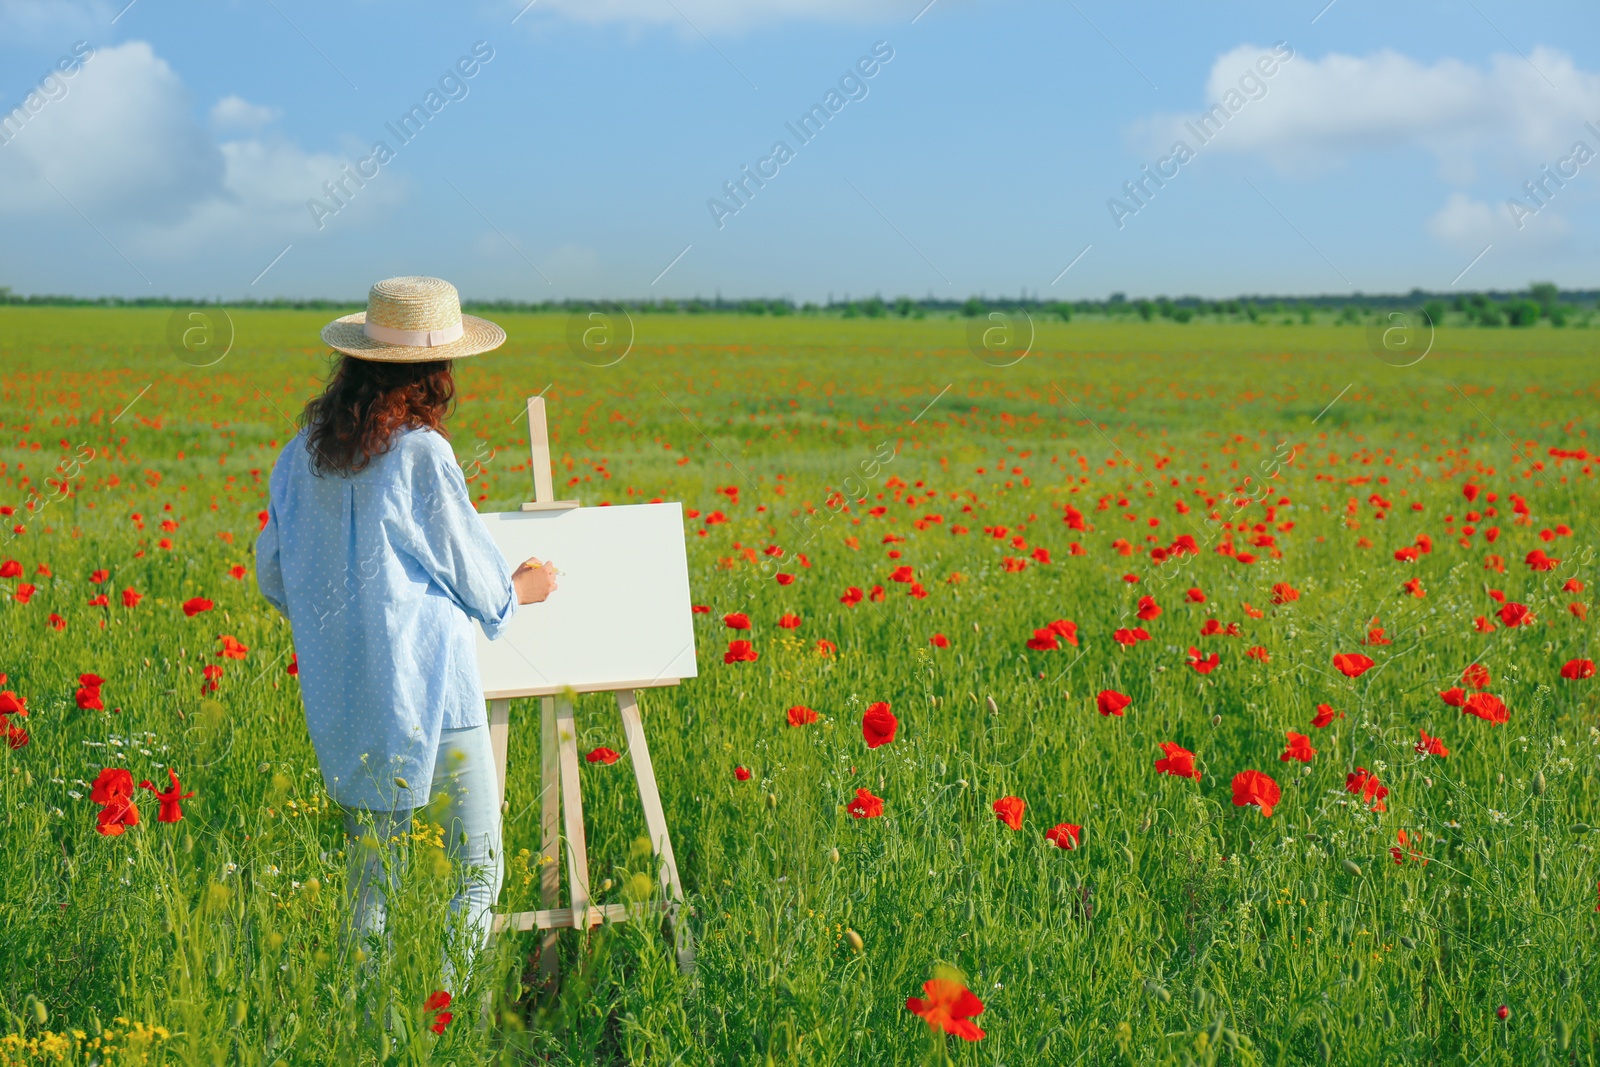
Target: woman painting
[{"x": 373, "y": 552}]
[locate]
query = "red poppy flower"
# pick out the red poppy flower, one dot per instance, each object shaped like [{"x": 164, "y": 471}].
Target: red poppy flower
[
  {"x": 740, "y": 652},
  {"x": 865, "y": 805},
  {"x": 1195, "y": 596},
  {"x": 1455, "y": 696},
  {"x": 852, "y": 597},
  {"x": 1352, "y": 664},
  {"x": 1574, "y": 669},
  {"x": 1515, "y": 614},
  {"x": 231, "y": 648},
  {"x": 800, "y": 715},
  {"x": 212, "y": 673},
  {"x": 789, "y": 622},
  {"x": 700, "y": 609},
  {"x": 130, "y": 599},
  {"x": 294, "y": 664},
  {"x": 1572, "y": 586},
  {"x": 99, "y": 576},
  {"x": 736, "y": 620},
  {"x": 1483, "y": 625},
  {"x": 1259, "y": 653},
  {"x": 1127, "y": 638},
  {"x": 1111, "y": 702},
  {"x": 236, "y": 572},
  {"x": 1375, "y": 637},
  {"x": 57, "y": 622},
  {"x": 1283, "y": 593},
  {"x": 1043, "y": 641},
  {"x": 1178, "y": 761},
  {"x": 1041, "y": 555},
  {"x": 939, "y": 641},
  {"x": 1430, "y": 746},
  {"x": 602, "y": 755},
  {"x": 741, "y": 774},
  {"x": 195, "y": 605},
  {"x": 1148, "y": 608},
  {"x": 1325, "y": 714},
  {"x": 783, "y": 578},
  {"x": 100, "y": 601},
  {"x": 1009, "y": 811},
  {"x": 111, "y": 782},
  {"x": 1367, "y": 786},
  {"x": 876, "y": 594},
  {"x": 826, "y": 647},
  {"x": 1063, "y": 835},
  {"x": 10, "y": 569},
  {"x": 1299, "y": 748},
  {"x": 878, "y": 724},
  {"x": 1253, "y": 787},
  {"x": 1539, "y": 561},
  {"x": 11, "y": 704},
  {"x": 1476, "y": 676},
  {"x": 901, "y": 573},
  {"x": 1065, "y": 629},
  {"x": 88, "y": 698},
  {"x": 434, "y": 1006},
  {"x": 1201, "y": 664},
  {"x": 118, "y": 813},
  {"x": 171, "y": 800},
  {"x": 24, "y": 592},
  {"x": 1487, "y": 707},
  {"x": 949, "y": 1006},
  {"x": 1013, "y": 564}
]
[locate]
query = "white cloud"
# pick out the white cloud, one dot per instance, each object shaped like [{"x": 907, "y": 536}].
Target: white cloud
[
  {"x": 123, "y": 146},
  {"x": 1318, "y": 113},
  {"x": 236, "y": 113},
  {"x": 1467, "y": 225},
  {"x": 714, "y": 15}
]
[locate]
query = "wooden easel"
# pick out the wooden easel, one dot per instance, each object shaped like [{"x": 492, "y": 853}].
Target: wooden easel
[{"x": 560, "y": 802}]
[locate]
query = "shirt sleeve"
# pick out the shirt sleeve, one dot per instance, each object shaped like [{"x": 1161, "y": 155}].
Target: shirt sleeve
[
  {"x": 269, "y": 565},
  {"x": 438, "y": 527}
]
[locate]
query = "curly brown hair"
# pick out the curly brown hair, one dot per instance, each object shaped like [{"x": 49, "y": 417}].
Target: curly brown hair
[{"x": 366, "y": 402}]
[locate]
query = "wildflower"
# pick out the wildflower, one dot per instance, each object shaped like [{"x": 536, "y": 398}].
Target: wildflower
[
  {"x": 1476, "y": 676},
  {"x": 1514, "y": 614},
  {"x": 1299, "y": 748},
  {"x": 1063, "y": 835},
  {"x": 1009, "y": 811},
  {"x": 602, "y": 755},
  {"x": 939, "y": 641},
  {"x": 736, "y": 620},
  {"x": 740, "y": 652},
  {"x": 741, "y": 774},
  {"x": 1111, "y": 702},
  {"x": 865, "y": 805},
  {"x": 1487, "y": 707},
  {"x": 852, "y": 597},
  {"x": 1178, "y": 761},
  {"x": 1575, "y": 669},
  {"x": 171, "y": 798},
  {"x": 949, "y": 1007},
  {"x": 195, "y": 605},
  {"x": 1148, "y": 608},
  {"x": 800, "y": 715},
  {"x": 1430, "y": 746},
  {"x": 1325, "y": 714},
  {"x": 1202, "y": 665},
  {"x": 1253, "y": 787},
  {"x": 434, "y": 1006},
  {"x": 1352, "y": 664},
  {"x": 1367, "y": 787},
  {"x": 878, "y": 724}
]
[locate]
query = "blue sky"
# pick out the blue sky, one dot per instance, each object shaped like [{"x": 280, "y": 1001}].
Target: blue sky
[{"x": 181, "y": 156}]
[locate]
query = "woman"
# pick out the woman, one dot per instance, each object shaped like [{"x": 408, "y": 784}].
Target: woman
[{"x": 373, "y": 552}]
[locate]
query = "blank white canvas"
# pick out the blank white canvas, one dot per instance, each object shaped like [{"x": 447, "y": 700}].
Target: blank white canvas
[{"x": 620, "y": 616}]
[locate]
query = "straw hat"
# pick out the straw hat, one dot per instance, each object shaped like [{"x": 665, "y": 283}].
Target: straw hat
[{"x": 410, "y": 320}]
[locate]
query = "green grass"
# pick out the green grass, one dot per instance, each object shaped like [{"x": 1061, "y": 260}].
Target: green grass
[{"x": 1184, "y": 929}]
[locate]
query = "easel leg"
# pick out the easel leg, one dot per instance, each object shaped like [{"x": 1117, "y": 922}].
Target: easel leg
[
  {"x": 499, "y": 741},
  {"x": 572, "y": 812},
  {"x": 550, "y": 850},
  {"x": 656, "y": 822}
]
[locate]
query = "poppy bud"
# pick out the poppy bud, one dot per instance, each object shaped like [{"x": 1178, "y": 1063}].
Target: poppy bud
[
  {"x": 1353, "y": 867},
  {"x": 1388, "y": 1017},
  {"x": 241, "y": 1011},
  {"x": 313, "y": 887},
  {"x": 1199, "y": 997},
  {"x": 833, "y": 855},
  {"x": 1216, "y": 720},
  {"x": 1324, "y": 1049},
  {"x": 1312, "y": 835},
  {"x": 1406, "y": 942},
  {"x": 605, "y": 886},
  {"x": 1157, "y": 990},
  {"x": 1578, "y": 828},
  {"x": 994, "y": 709},
  {"x": 41, "y": 1014},
  {"x": 854, "y": 940},
  {"x": 1127, "y": 854},
  {"x": 1563, "y": 1034},
  {"x": 1538, "y": 783},
  {"x": 772, "y": 800},
  {"x": 401, "y": 782},
  {"x": 1502, "y": 1013},
  {"x": 264, "y": 768}
]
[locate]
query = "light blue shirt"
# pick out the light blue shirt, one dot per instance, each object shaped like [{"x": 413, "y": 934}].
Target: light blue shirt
[{"x": 380, "y": 574}]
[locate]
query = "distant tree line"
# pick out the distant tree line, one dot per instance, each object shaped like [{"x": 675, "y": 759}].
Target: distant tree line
[{"x": 1540, "y": 301}]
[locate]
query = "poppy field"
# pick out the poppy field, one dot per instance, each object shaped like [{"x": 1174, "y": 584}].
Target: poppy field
[{"x": 1204, "y": 694}]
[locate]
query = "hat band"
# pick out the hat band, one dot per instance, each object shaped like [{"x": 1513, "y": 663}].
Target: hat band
[{"x": 414, "y": 338}]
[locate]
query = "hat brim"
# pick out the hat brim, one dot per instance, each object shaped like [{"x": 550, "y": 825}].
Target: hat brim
[{"x": 348, "y": 336}]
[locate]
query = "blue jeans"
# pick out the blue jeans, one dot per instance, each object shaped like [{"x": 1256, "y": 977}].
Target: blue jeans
[{"x": 465, "y": 802}]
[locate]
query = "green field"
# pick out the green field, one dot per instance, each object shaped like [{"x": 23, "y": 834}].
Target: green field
[{"x": 1183, "y": 929}]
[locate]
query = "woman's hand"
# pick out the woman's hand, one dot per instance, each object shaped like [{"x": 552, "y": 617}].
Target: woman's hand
[{"x": 534, "y": 581}]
